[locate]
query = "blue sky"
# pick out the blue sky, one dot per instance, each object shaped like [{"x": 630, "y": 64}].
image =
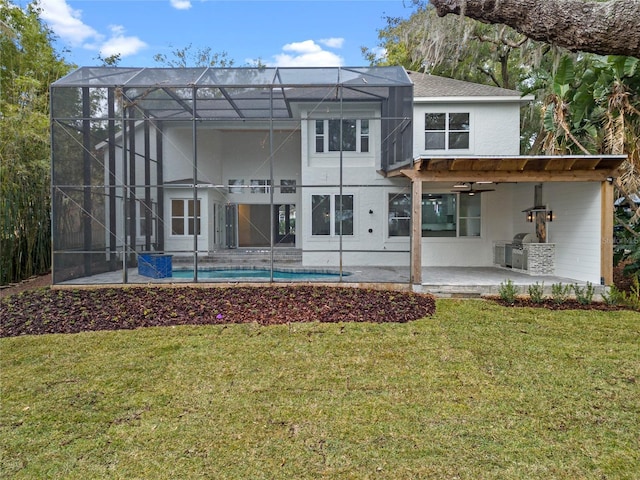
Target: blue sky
[{"x": 282, "y": 33}]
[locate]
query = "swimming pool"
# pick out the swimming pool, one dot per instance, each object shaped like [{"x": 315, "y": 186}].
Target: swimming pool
[{"x": 236, "y": 273}]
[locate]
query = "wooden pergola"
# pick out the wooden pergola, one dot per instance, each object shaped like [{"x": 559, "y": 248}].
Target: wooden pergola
[{"x": 511, "y": 169}]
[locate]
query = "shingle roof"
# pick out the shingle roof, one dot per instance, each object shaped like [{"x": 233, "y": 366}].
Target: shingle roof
[{"x": 425, "y": 85}]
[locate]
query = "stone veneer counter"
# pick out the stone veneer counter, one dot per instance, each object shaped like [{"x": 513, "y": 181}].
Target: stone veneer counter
[{"x": 540, "y": 258}]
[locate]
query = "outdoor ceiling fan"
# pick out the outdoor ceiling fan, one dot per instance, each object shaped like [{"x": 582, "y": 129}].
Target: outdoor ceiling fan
[{"x": 468, "y": 189}]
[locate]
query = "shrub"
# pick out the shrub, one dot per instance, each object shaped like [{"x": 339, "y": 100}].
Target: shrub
[
  {"x": 584, "y": 295},
  {"x": 536, "y": 292},
  {"x": 615, "y": 296},
  {"x": 508, "y": 291},
  {"x": 632, "y": 298},
  {"x": 560, "y": 293}
]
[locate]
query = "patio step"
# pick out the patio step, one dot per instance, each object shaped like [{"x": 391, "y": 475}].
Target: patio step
[
  {"x": 459, "y": 291},
  {"x": 249, "y": 256}
]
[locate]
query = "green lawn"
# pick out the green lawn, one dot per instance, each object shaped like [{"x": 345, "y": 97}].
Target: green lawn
[{"x": 478, "y": 391}]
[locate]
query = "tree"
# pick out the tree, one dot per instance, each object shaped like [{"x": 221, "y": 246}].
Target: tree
[
  {"x": 456, "y": 48},
  {"x": 188, "y": 57},
  {"x": 28, "y": 64},
  {"x": 462, "y": 48},
  {"x": 604, "y": 28}
]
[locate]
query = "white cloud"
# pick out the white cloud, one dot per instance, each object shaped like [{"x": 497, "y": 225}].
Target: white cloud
[
  {"x": 119, "y": 43},
  {"x": 306, "y": 54},
  {"x": 332, "y": 42},
  {"x": 67, "y": 23},
  {"x": 181, "y": 4},
  {"x": 379, "y": 52}
]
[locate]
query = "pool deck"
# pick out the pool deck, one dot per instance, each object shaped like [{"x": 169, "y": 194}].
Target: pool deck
[{"x": 440, "y": 281}]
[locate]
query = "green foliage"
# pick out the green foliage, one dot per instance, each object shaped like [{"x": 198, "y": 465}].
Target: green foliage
[
  {"x": 629, "y": 299},
  {"x": 28, "y": 64},
  {"x": 190, "y": 57},
  {"x": 560, "y": 293},
  {"x": 632, "y": 298},
  {"x": 508, "y": 291},
  {"x": 627, "y": 241},
  {"x": 536, "y": 292},
  {"x": 614, "y": 296},
  {"x": 584, "y": 295},
  {"x": 455, "y": 47}
]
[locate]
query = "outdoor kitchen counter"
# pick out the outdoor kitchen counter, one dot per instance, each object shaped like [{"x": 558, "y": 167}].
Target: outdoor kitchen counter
[
  {"x": 532, "y": 258},
  {"x": 541, "y": 258}
]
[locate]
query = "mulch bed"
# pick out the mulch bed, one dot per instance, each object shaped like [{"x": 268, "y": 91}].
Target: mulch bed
[
  {"x": 42, "y": 311},
  {"x": 550, "y": 304}
]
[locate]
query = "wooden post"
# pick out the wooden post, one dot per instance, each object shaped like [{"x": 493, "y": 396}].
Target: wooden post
[
  {"x": 606, "y": 234},
  {"x": 416, "y": 230}
]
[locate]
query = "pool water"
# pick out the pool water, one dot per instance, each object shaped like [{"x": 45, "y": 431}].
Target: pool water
[{"x": 257, "y": 273}]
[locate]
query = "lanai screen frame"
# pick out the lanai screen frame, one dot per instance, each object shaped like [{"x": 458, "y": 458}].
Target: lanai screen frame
[{"x": 94, "y": 110}]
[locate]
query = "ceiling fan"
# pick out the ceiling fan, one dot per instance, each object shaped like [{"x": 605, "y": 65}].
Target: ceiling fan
[{"x": 468, "y": 189}]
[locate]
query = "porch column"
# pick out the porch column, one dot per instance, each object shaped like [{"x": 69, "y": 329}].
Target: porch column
[
  {"x": 606, "y": 234},
  {"x": 416, "y": 231}
]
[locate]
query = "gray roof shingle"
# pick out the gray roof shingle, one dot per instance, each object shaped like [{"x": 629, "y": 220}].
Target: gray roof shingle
[{"x": 425, "y": 85}]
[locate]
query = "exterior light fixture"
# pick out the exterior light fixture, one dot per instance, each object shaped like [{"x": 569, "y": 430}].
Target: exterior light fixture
[
  {"x": 530, "y": 217},
  {"x": 549, "y": 216}
]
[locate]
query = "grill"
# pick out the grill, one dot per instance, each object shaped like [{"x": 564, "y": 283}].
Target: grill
[{"x": 514, "y": 252}]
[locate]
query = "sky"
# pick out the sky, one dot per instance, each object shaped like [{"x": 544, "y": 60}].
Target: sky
[{"x": 278, "y": 33}]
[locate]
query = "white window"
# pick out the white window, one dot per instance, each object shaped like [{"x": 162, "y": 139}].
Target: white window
[
  {"x": 260, "y": 186},
  {"x": 443, "y": 215},
  {"x": 185, "y": 216},
  {"x": 332, "y": 215},
  {"x": 287, "y": 186},
  {"x": 399, "y": 214},
  {"x": 446, "y": 131},
  {"x": 236, "y": 185},
  {"x": 355, "y": 135}
]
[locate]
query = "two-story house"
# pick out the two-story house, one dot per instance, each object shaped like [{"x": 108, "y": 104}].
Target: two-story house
[{"x": 350, "y": 168}]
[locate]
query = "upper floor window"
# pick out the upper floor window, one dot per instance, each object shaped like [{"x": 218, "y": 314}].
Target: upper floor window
[
  {"x": 287, "y": 186},
  {"x": 260, "y": 186},
  {"x": 446, "y": 131},
  {"x": 354, "y": 134},
  {"x": 236, "y": 185}
]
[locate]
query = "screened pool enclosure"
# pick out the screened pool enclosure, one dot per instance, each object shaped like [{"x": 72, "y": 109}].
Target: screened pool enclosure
[{"x": 168, "y": 175}]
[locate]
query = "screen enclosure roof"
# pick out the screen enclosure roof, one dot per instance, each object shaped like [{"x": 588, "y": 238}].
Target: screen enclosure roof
[{"x": 240, "y": 93}]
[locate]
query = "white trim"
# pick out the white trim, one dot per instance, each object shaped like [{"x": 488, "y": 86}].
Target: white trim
[{"x": 479, "y": 99}]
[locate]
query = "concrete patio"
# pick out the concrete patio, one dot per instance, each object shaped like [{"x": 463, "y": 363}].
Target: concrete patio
[{"x": 440, "y": 281}]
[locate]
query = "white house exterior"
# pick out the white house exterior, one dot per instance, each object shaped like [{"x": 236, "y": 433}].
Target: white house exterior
[{"x": 334, "y": 171}]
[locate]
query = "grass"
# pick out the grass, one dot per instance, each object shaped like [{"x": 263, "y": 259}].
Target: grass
[{"x": 478, "y": 391}]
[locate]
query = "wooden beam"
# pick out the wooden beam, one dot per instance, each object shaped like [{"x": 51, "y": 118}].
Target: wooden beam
[
  {"x": 590, "y": 164},
  {"x": 511, "y": 176},
  {"x": 416, "y": 232},
  {"x": 512, "y": 164},
  {"x": 606, "y": 234},
  {"x": 435, "y": 164},
  {"x": 556, "y": 164}
]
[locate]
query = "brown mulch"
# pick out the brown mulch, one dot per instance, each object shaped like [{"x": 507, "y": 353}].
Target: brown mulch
[
  {"x": 43, "y": 311},
  {"x": 550, "y": 304},
  {"x": 32, "y": 283}
]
